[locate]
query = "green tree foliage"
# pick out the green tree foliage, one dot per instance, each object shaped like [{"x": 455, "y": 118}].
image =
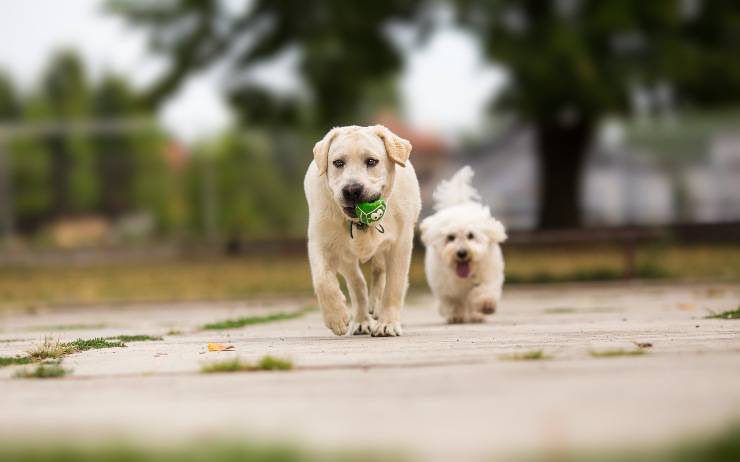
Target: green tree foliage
[
  {"x": 572, "y": 62},
  {"x": 343, "y": 48},
  {"x": 110, "y": 174},
  {"x": 65, "y": 91},
  {"x": 237, "y": 191},
  {"x": 10, "y": 106}
]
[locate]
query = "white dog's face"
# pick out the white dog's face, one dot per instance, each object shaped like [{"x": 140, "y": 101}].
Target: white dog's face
[
  {"x": 462, "y": 248},
  {"x": 359, "y": 163},
  {"x": 462, "y": 236}
]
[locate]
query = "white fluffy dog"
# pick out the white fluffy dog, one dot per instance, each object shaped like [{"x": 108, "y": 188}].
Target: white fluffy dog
[
  {"x": 464, "y": 265},
  {"x": 352, "y": 165}
]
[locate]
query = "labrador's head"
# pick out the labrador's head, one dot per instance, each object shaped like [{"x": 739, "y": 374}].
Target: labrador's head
[{"x": 360, "y": 163}]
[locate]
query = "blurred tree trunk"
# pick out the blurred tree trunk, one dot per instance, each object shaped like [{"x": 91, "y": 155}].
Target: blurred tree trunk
[{"x": 562, "y": 150}]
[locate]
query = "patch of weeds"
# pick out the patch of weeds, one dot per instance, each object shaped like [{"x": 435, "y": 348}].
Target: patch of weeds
[
  {"x": 12, "y": 340},
  {"x": 616, "y": 353},
  {"x": 267, "y": 363},
  {"x": 53, "y": 349},
  {"x": 559, "y": 310},
  {"x": 534, "y": 355},
  {"x": 730, "y": 314},
  {"x": 43, "y": 371},
  {"x": 136, "y": 338},
  {"x": 174, "y": 332},
  {"x": 94, "y": 344},
  {"x": 251, "y": 320},
  {"x": 49, "y": 349},
  {"x": 14, "y": 360},
  {"x": 270, "y": 363}
]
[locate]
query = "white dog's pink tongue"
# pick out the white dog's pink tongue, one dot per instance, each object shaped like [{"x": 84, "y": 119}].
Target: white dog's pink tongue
[{"x": 463, "y": 269}]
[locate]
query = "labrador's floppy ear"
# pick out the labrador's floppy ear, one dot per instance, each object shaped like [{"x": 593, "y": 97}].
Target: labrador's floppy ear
[
  {"x": 321, "y": 150},
  {"x": 398, "y": 149}
]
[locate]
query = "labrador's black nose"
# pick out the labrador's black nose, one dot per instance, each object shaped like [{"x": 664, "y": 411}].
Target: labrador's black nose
[
  {"x": 462, "y": 254},
  {"x": 352, "y": 192}
]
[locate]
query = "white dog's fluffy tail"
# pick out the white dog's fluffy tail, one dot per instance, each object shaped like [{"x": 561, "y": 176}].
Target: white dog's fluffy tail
[{"x": 457, "y": 190}]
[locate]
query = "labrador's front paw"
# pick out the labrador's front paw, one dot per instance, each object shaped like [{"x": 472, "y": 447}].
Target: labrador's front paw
[
  {"x": 362, "y": 328},
  {"x": 337, "y": 321},
  {"x": 387, "y": 329}
]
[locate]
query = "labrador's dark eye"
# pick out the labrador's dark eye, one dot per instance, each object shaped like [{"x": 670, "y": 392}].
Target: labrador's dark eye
[
  {"x": 450, "y": 237},
  {"x": 371, "y": 162},
  {"x": 338, "y": 163},
  {"x": 471, "y": 236}
]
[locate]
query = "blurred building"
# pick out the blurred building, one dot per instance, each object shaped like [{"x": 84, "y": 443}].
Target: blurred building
[{"x": 681, "y": 172}]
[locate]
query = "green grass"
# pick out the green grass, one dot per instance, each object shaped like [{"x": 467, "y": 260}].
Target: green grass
[
  {"x": 31, "y": 287},
  {"x": 270, "y": 363},
  {"x": 534, "y": 355},
  {"x": 267, "y": 363},
  {"x": 14, "y": 360},
  {"x": 559, "y": 310},
  {"x": 43, "y": 371},
  {"x": 616, "y": 353},
  {"x": 136, "y": 338},
  {"x": 53, "y": 349},
  {"x": 94, "y": 344},
  {"x": 211, "y": 451},
  {"x": 251, "y": 320},
  {"x": 731, "y": 314}
]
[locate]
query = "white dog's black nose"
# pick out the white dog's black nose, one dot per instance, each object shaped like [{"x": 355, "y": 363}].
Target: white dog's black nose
[
  {"x": 352, "y": 192},
  {"x": 462, "y": 254}
]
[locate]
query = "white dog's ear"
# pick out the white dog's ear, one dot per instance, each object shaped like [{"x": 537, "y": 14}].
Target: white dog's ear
[
  {"x": 397, "y": 148},
  {"x": 496, "y": 231},
  {"x": 321, "y": 150}
]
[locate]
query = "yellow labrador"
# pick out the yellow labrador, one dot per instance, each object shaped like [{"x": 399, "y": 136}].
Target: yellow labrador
[{"x": 352, "y": 165}]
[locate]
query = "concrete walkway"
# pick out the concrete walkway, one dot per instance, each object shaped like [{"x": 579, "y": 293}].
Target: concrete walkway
[{"x": 438, "y": 391}]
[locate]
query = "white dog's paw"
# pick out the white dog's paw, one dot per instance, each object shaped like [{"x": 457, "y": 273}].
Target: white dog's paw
[
  {"x": 387, "y": 329},
  {"x": 338, "y": 322},
  {"x": 455, "y": 319},
  {"x": 488, "y": 306},
  {"x": 362, "y": 328},
  {"x": 475, "y": 318}
]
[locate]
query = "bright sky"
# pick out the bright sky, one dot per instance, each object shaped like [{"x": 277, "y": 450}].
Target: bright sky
[{"x": 445, "y": 86}]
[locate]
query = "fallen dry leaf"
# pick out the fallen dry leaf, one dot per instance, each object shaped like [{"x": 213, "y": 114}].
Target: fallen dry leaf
[
  {"x": 643, "y": 344},
  {"x": 220, "y": 347}
]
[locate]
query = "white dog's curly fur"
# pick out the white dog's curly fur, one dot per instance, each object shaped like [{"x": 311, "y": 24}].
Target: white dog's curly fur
[
  {"x": 464, "y": 265},
  {"x": 352, "y": 165}
]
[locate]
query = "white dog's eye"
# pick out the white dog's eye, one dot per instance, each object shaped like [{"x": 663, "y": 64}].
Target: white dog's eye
[
  {"x": 471, "y": 236},
  {"x": 371, "y": 162},
  {"x": 450, "y": 237},
  {"x": 338, "y": 163}
]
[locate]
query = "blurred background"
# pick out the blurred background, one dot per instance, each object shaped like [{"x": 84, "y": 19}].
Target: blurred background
[{"x": 154, "y": 150}]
